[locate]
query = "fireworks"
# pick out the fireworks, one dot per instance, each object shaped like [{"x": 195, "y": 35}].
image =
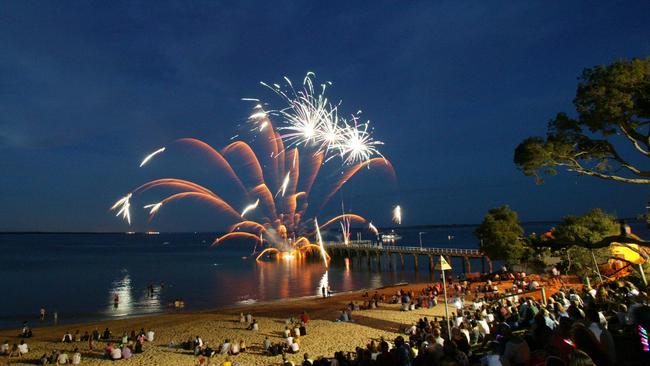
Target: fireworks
[
  {"x": 285, "y": 221},
  {"x": 373, "y": 228},
  {"x": 357, "y": 144},
  {"x": 250, "y": 207},
  {"x": 150, "y": 156},
  {"x": 154, "y": 207},
  {"x": 311, "y": 120},
  {"x": 124, "y": 204},
  {"x": 397, "y": 215},
  {"x": 320, "y": 242}
]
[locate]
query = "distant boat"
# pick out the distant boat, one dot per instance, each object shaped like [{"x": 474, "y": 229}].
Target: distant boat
[
  {"x": 165, "y": 243},
  {"x": 391, "y": 237}
]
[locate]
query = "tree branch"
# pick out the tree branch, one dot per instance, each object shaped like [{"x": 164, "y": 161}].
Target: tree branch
[
  {"x": 634, "y": 138},
  {"x": 576, "y": 167}
]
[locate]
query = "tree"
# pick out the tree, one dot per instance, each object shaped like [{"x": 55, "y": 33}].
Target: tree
[
  {"x": 501, "y": 235},
  {"x": 613, "y": 107},
  {"x": 581, "y": 234},
  {"x": 587, "y": 230}
]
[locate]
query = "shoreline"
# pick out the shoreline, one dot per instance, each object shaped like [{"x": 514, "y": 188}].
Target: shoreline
[
  {"x": 219, "y": 309},
  {"x": 214, "y": 325},
  {"x": 34, "y": 322}
]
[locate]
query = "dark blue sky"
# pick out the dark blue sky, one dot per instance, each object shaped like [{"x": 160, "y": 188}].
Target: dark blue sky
[{"x": 88, "y": 89}]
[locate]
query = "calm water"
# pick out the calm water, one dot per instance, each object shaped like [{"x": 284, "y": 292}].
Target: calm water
[{"x": 77, "y": 275}]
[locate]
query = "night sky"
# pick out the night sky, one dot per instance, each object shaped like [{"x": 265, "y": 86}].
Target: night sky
[{"x": 88, "y": 89}]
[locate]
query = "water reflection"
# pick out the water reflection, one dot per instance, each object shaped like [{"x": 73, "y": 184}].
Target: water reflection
[
  {"x": 119, "y": 297},
  {"x": 122, "y": 302}
]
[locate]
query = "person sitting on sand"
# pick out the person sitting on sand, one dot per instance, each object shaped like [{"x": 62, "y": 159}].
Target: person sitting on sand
[
  {"x": 267, "y": 344},
  {"x": 4, "y": 348},
  {"x": 306, "y": 360},
  {"x": 343, "y": 317},
  {"x": 116, "y": 353},
  {"x": 108, "y": 350},
  {"x": 14, "y": 351},
  {"x": 225, "y": 347},
  {"x": 294, "y": 347},
  {"x": 286, "y": 362},
  {"x": 107, "y": 334},
  {"x": 126, "y": 352},
  {"x": 234, "y": 348},
  {"x": 138, "y": 347},
  {"x": 208, "y": 351},
  {"x": 23, "y": 348},
  {"x": 242, "y": 346},
  {"x": 410, "y": 331},
  {"x": 63, "y": 358},
  {"x": 43, "y": 360},
  {"x": 150, "y": 335},
  {"x": 254, "y": 326},
  {"x": 198, "y": 341},
  {"x": 76, "y": 357},
  {"x": 304, "y": 317}
]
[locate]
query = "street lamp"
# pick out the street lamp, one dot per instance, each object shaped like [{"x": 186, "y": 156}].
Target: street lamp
[{"x": 420, "y": 235}]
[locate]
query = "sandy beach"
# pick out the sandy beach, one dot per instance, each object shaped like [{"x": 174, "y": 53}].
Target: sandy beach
[{"x": 324, "y": 335}]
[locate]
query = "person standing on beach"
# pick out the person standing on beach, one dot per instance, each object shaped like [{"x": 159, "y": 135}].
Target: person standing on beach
[
  {"x": 42, "y": 313},
  {"x": 322, "y": 290}
]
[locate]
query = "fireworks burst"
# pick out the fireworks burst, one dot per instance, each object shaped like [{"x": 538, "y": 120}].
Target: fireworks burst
[
  {"x": 397, "y": 215},
  {"x": 310, "y": 121}
]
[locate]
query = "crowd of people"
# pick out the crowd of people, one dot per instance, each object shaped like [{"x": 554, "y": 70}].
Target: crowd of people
[
  {"x": 117, "y": 348},
  {"x": 501, "y": 321},
  {"x": 498, "y": 322}
]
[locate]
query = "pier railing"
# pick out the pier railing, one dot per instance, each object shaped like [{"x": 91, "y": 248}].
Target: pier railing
[{"x": 368, "y": 245}]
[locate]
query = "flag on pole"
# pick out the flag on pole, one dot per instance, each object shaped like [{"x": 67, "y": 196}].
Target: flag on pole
[{"x": 443, "y": 265}]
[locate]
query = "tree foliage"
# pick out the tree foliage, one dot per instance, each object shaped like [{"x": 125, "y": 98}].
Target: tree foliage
[
  {"x": 588, "y": 229},
  {"x": 501, "y": 235},
  {"x": 583, "y": 232},
  {"x": 612, "y": 104}
]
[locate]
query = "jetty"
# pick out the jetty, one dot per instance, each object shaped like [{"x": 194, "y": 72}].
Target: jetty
[{"x": 369, "y": 249}]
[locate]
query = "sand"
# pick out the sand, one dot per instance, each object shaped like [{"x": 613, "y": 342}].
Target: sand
[{"x": 324, "y": 335}]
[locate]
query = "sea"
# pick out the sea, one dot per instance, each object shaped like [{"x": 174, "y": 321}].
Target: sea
[{"x": 77, "y": 276}]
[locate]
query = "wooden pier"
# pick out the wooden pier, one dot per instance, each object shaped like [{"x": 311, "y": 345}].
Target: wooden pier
[{"x": 370, "y": 250}]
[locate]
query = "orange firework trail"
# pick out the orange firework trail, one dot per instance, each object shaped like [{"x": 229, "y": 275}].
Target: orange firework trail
[{"x": 281, "y": 186}]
